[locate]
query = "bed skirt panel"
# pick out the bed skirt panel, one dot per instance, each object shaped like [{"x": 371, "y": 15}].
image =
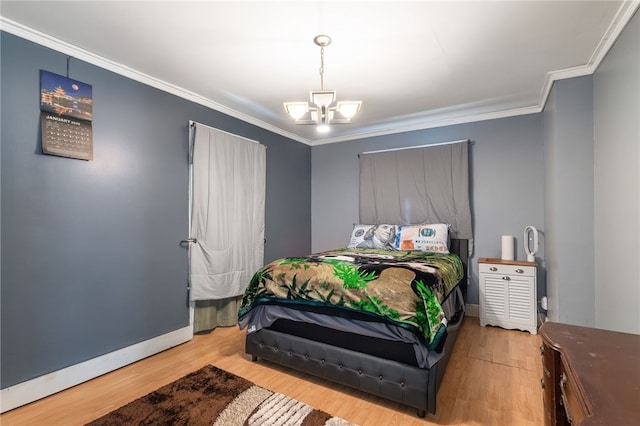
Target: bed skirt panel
[{"x": 406, "y": 384}]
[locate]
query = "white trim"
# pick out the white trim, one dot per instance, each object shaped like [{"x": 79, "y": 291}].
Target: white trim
[
  {"x": 40, "y": 387},
  {"x": 436, "y": 123},
  {"x": 472, "y": 310},
  {"x": 560, "y": 75},
  {"x": 192, "y": 304},
  {"x": 84, "y": 55},
  {"x": 622, "y": 18}
]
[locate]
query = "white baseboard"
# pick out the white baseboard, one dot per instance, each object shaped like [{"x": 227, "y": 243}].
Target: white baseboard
[
  {"x": 472, "y": 310},
  {"x": 40, "y": 387}
]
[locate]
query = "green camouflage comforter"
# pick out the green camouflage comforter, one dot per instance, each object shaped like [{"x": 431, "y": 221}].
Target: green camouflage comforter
[{"x": 403, "y": 287}]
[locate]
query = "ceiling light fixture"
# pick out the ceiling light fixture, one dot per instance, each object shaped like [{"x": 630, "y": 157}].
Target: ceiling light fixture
[{"x": 323, "y": 108}]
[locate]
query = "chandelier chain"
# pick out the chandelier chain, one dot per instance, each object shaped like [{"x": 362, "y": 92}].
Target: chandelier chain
[{"x": 322, "y": 68}]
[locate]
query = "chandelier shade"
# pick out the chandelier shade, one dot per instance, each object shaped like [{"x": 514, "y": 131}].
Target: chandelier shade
[
  {"x": 322, "y": 108},
  {"x": 349, "y": 108},
  {"x": 323, "y": 98},
  {"x": 296, "y": 109}
]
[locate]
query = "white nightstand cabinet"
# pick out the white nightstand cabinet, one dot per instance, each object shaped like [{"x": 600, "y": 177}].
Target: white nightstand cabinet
[{"x": 508, "y": 294}]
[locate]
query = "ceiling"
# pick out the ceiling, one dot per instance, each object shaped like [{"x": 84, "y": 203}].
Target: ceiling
[{"x": 414, "y": 65}]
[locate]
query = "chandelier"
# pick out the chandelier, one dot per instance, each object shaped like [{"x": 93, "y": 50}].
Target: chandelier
[{"x": 323, "y": 108}]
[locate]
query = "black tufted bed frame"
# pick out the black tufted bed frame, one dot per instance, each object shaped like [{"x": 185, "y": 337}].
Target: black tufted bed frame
[{"x": 339, "y": 360}]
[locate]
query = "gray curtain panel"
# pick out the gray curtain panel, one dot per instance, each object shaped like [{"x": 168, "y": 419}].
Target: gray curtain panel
[
  {"x": 418, "y": 185},
  {"x": 228, "y": 208}
]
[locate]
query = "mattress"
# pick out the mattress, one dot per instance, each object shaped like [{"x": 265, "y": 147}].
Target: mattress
[
  {"x": 352, "y": 331},
  {"x": 404, "y": 297}
]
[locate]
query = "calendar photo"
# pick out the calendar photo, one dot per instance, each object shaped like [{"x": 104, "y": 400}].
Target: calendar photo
[{"x": 66, "y": 107}]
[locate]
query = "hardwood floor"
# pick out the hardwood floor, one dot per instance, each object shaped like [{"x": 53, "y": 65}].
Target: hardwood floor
[{"x": 493, "y": 378}]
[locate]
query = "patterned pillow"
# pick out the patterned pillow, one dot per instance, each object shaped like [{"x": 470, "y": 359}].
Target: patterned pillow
[
  {"x": 374, "y": 236},
  {"x": 430, "y": 238}
]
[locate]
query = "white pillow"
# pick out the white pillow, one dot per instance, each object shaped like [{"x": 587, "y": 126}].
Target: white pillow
[
  {"x": 430, "y": 238},
  {"x": 373, "y": 236}
]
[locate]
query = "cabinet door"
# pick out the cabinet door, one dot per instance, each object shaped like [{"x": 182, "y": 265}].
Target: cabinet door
[
  {"x": 494, "y": 297},
  {"x": 521, "y": 300}
]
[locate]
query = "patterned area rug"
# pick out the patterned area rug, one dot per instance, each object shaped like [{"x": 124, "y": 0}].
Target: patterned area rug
[{"x": 211, "y": 396}]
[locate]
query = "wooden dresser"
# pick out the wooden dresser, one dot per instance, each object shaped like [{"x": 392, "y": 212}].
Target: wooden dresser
[{"x": 590, "y": 376}]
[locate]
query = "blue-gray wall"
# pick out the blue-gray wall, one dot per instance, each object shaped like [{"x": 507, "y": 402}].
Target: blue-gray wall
[
  {"x": 569, "y": 202},
  {"x": 91, "y": 260},
  {"x": 592, "y": 192},
  {"x": 617, "y": 183},
  {"x": 507, "y": 177}
]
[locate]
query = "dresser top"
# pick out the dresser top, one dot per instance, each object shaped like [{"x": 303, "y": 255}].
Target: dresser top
[{"x": 506, "y": 262}]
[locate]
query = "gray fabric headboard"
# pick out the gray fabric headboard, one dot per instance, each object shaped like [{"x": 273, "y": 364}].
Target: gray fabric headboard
[{"x": 461, "y": 248}]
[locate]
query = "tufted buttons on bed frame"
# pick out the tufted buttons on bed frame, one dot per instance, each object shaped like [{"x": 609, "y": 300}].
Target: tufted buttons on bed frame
[{"x": 399, "y": 382}]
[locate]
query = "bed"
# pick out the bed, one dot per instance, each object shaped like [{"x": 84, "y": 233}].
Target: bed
[{"x": 382, "y": 320}]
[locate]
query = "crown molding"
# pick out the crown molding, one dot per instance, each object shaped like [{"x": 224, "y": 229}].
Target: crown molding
[
  {"x": 76, "y": 52},
  {"x": 623, "y": 16},
  {"x": 626, "y": 11},
  {"x": 435, "y": 123}
]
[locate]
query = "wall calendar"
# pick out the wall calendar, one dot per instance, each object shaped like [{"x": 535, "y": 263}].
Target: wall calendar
[{"x": 66, "y": 112}]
